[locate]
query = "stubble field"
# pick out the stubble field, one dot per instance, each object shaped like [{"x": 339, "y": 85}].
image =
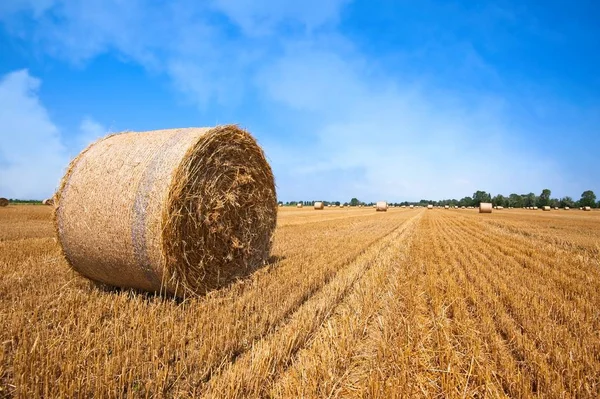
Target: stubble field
[{"x": 354, "y": 303}]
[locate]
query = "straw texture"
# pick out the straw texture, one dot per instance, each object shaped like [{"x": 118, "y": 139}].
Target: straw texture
[
  {"x": 485, "y": 207},
  {"x": 3, "y": 201},
  {"x": 180, "y": 211}
]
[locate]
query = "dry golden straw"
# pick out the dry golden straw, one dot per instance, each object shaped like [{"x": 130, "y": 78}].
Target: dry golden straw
[
  {"x": 485, "y": 207},
  {"x": 179, "y": 211},
  {"x": 319, "y": 205},
  {"x": 3, "y": 201},
  {"x": 381, "y": 206}
]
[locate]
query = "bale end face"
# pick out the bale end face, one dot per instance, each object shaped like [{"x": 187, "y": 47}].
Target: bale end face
[{"x": 3, "y": 202}]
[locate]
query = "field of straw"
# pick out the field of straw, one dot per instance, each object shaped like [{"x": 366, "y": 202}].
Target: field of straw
[{"x": 354, "y": 303}]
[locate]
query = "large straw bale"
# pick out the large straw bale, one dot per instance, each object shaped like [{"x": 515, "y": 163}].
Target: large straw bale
[
  {"x": 429, "y": 206},
  {"x": 587, "y": 208},
  {"x": 546, "y": 208},
  {"x": 485, "y": 207},
  {"x": 180, "y": 211},
  {"x": 319, "y": 205},
  {"x": 567, "y": 208},
  {"x": 381, "y": 206},
  {"x": 298, "y": 205},
  {"x": 3, "y": 201},
  {"x": 411, "y": 206}
]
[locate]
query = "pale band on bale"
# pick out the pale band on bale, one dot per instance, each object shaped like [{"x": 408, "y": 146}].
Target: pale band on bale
[
  {"x": 180, "y": 211},
  {"x": 381, "y": 206}
]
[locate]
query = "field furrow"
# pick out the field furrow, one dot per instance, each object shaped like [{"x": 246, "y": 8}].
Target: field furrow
[{"x": 353, "y": 303}]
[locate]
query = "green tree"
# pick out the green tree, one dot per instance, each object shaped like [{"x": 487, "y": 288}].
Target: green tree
[
  {"x": 354, "y": 202},
  {"x": 481, "y": 196},
  {"x": 530, "y": 199},
  {"x": 567, "y": 201},
  {"x": 515, "y": 200},
  {"x": 498, "y": 200},
  {"x": 544, "y": 198},
  {"x": 588, "y": 198}
]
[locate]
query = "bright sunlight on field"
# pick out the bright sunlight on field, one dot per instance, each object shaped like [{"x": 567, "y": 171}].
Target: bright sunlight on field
[{"x": 409, "y": 302}]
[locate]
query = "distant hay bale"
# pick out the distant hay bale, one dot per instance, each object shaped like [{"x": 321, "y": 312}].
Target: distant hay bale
[
  {"x": 430, "y": 206},
  {"x": 499, "y": 207},
  {"x": 587, "y": 208},
  {"x": 535, "y": 208},
  {"x": 48, "y": 201},
  {"x": 280, "y": 205},
  {"x": 3, "y": 201},
  {"x": 546, "y": 208},
  {"x": 411, "y": 207},
  {"x": 319, "y": 205},
  {"x": 381, "y": 206},
  {"x": 485, "y": 207},
  {"x": 567, "y": 208},
  {"x": 299, "y": 205},
  {"x": 403, "y": 206},
  {"x": 180, "y": 211},
  {"x": 463, "y": 207},
  {"x": 556, "y": 208}
]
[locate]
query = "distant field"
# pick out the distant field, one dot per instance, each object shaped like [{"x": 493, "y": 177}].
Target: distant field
[{"x": 356, "y": 303}]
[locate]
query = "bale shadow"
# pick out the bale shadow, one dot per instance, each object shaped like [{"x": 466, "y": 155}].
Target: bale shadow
[{"x": 133, "y": 293}]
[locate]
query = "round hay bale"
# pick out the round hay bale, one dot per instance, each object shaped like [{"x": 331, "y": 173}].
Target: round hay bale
[
  {"x": 567, "y": 208},
  {"x": 485, "y": 207},
  {"x": 381, "y": 206},
  {"x": 587, "y": 208},
  {"x": 180, "y": 211},
  {"x": 299, "y": 205},
  {"x": 48, "y": 201},
  {"x": 411, "y": 206},
  {"x": 3, "y": 201},
  {"x": 319, "y": 205},
  {"x": 556, "y": 208},
  {"x": 546, "y": 208},
  {"x": 499, "y": 207},
  {"x": 429, "y": 206},
  {"x": 535, "y": 208}
]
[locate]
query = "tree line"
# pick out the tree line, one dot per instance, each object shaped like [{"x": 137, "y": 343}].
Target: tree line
[{"x": 588, "y": 198}]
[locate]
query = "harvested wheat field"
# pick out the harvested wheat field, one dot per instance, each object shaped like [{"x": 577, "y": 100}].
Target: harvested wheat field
[{"x": 353, "y": 303}]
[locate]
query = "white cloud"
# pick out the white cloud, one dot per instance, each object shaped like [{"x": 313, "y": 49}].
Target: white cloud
[
  {"x": 374, "y": 137},
  {"x": 32, "y": 156},
  {"x": 354, "y": 129},
  {"x": 261, "y": 17},
  {"x": 33, "y": 153}
]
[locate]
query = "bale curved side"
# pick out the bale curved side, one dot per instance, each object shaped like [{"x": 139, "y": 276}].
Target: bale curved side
[
  {"x": 178, "y": 211},
  {"x": 485, "y": 207},
  {"x": 3, "y": 202}
]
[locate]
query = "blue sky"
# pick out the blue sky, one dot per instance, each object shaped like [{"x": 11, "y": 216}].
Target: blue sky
[{"x": 373, "y": 99}]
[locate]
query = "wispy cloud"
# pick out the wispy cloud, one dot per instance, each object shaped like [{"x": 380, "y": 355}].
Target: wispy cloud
[{"x": 336, "y": 121}]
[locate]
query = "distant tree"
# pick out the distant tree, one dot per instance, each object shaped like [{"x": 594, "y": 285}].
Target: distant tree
[
  {"x": 544, "y": 198},
  {"x": 588, "y": 198},
  {"x": 567, "y": 201},
  {"x": 465, "y": 201},
  {"x": 530, "y": 199},
  {"x": 337, "y": 203},
  {"x": 554, "y": 202},
  {"x": 481, "y": 196},
  {"x": 515, "y": 200},
  {"x": 498, "y": 200},
  {"x": 354, "y": 202}
]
